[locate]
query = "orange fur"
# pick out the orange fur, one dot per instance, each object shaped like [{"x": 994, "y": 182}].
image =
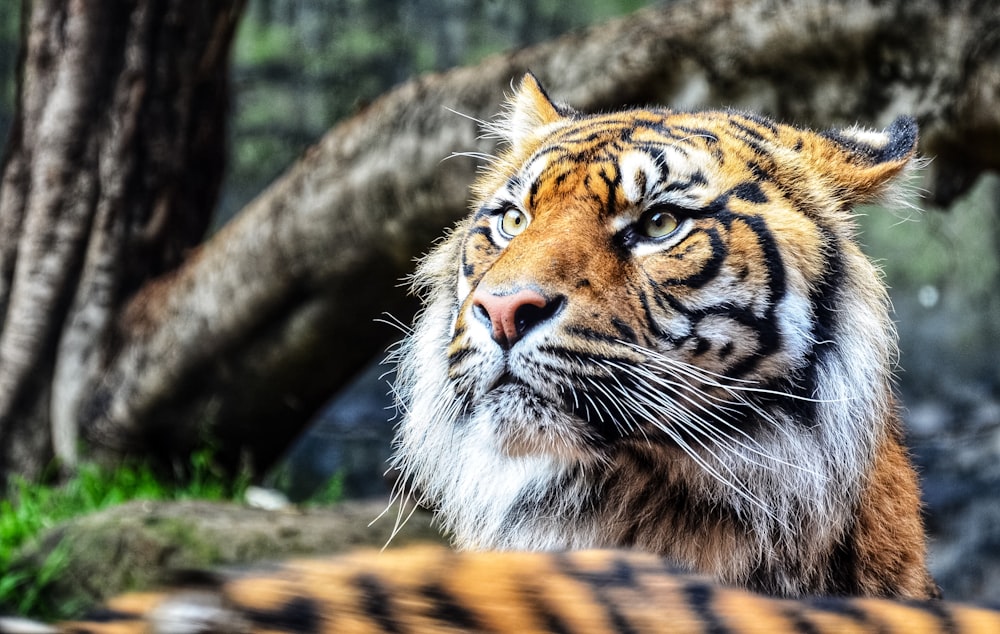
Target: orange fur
[
  {"x": 663, "y": 335},
  {"x": 429, "y": 589}
]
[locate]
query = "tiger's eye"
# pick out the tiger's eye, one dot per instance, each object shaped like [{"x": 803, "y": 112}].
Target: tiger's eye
[
  {"x": 513, "y": 222},
  {"x": 658, "y": 224}
]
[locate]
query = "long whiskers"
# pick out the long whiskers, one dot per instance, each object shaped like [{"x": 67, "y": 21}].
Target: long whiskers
[
  {"x": 713, "y": 379},
  {"x": 696, "y": 408},
  {"x": 402, "y": 496}
]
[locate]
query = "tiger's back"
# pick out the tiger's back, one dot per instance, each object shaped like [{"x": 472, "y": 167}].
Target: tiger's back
[{"x": 431, "y": 589}]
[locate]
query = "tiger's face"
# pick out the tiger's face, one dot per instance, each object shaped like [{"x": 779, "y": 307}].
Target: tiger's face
[
  {"x": 623, "y": 274},
  {"x": 656, "y": 330}
]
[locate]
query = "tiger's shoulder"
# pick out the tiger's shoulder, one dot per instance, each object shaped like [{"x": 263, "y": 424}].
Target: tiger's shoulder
[{"x": 433, "y": 589}]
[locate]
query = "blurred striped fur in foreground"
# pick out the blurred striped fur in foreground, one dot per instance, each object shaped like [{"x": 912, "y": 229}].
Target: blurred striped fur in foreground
[{"x": 433, "y": 589}]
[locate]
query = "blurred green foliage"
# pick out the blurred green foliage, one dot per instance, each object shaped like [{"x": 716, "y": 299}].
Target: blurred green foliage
[
  {"x": 28, "y": 508},
  {"x": 943, "y": 269}
]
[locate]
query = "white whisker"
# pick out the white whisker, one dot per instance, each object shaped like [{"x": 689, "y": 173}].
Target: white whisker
[
  {"x": 391, "y": 320},
  {"x": 475, "y": 120},
  {"x": 479, "y": 156}
]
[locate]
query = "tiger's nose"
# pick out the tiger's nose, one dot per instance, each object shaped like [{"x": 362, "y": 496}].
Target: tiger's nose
[{"x": 511, "y": 316}]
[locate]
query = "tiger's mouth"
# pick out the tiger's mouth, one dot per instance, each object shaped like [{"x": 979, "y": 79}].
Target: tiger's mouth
[
  {"x": 523, "y": 410},
  {"x": 504, "y": 379}
]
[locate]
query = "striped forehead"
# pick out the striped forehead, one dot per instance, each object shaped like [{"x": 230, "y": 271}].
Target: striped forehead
[{"x": 640, "y": 168}]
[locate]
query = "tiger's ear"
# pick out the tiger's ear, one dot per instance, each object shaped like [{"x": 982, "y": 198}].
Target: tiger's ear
[
  {"x": 865, "y": 162},
  {"x": 528, "y": 110}
]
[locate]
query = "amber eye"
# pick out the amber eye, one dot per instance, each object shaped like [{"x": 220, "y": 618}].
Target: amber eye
[
  {"x": 512, "y": 222},
  {"x": 657, "y": 224}
]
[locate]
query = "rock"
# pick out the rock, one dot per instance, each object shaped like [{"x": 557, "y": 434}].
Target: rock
[{"x": 137, "y": 545}]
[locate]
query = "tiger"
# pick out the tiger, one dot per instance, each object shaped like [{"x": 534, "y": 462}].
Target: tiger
[
  {"x": 654, "y": 344},
  {"x": 439, "y": 590},
  {"x": 656, "y": 330}
]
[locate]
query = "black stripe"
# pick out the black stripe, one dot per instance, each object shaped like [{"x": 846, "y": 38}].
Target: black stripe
[
  {"x": 684, "y": 508},
  {"x": 697, "y": 178},
  {"x": 553, "y": 622},
  {"x": 823, "y": 300},
  {"x": 604, "y": 419},
  {"x": 760, "y": 120},
  {"x": 612, "y": 182},
  {"x": 299, "y": 614},
  {"x": 712, "y": 266},
  {"x": 652, "y": 489},
  {"x": 702, "y": 345},
  {"x": 454, "y": 358},
  {"x": 561, "y": 177},
  {"x": 481, "y": 230},
  {"x": 753, "y": 134},
  {"x": 659, "y": 159},
  {"x": 843, "y": 607},
  {"x": 626, "y": 331},
  {"x": 487, "y": 210},
  {"x": 376, "y": 602},
  {"x": 801, "y": 623},
  {"x": 584, "y": 333},
  {"x": 445, "y": 608},
  {"x": 618, "y": 575},
  {"x": 940, "y": 611},
  {"x": 674, "y": 133},
  {"x": 699, "y": 597},
  {"x": 586, "y": 137},
  {"x": 533, "y": 193},
  {"x": 654, "y": 328},
  {"x": 514, "y": 183},
  {"x": 758, "y": 149},
  {"x": 769, "y": 337},
  {"x": 758, "y": 171},
  {"x": 750, "y": 192},
  {"x": 545, "y": 151}
]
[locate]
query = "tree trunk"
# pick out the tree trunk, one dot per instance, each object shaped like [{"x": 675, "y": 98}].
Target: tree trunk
[
  {"x": 253, "y": 331},
  {"x": 110, "y": 175}
]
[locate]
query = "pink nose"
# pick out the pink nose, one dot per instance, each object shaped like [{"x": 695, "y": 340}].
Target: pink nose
[{"x": 512, "y": 316}]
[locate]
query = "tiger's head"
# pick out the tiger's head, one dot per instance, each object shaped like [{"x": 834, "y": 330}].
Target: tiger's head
[{"x": 648, "y": 306}]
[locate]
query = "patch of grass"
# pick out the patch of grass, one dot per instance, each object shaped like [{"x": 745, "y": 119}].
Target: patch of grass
[
  {"x": 331, "y": 492},
  {"x": 29, "y": 508}
]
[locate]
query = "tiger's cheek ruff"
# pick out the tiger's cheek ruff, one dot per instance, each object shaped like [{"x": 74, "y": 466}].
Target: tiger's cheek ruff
[
  {"x": 450, "y": 453},
  {"x": 714, "y": 382}
]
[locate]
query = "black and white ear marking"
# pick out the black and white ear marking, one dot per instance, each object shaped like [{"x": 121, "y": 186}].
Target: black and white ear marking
[
  {"x": 873, "y": 147},
  {"x": 865, "y": 166}
]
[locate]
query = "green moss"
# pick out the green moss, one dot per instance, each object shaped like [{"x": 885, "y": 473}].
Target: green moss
[{"x": 29, "y": 508}]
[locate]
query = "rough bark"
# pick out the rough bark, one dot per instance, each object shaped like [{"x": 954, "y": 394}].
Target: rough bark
[
  {"x": 254, "y": 330},
  {"x": 110, "y": 173}
]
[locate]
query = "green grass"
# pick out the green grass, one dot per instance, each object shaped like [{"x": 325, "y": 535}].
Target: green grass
[{"x": 30, "y": 508}]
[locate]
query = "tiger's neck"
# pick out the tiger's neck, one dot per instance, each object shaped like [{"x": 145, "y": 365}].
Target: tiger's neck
[{"x": 654, "y": 499}]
